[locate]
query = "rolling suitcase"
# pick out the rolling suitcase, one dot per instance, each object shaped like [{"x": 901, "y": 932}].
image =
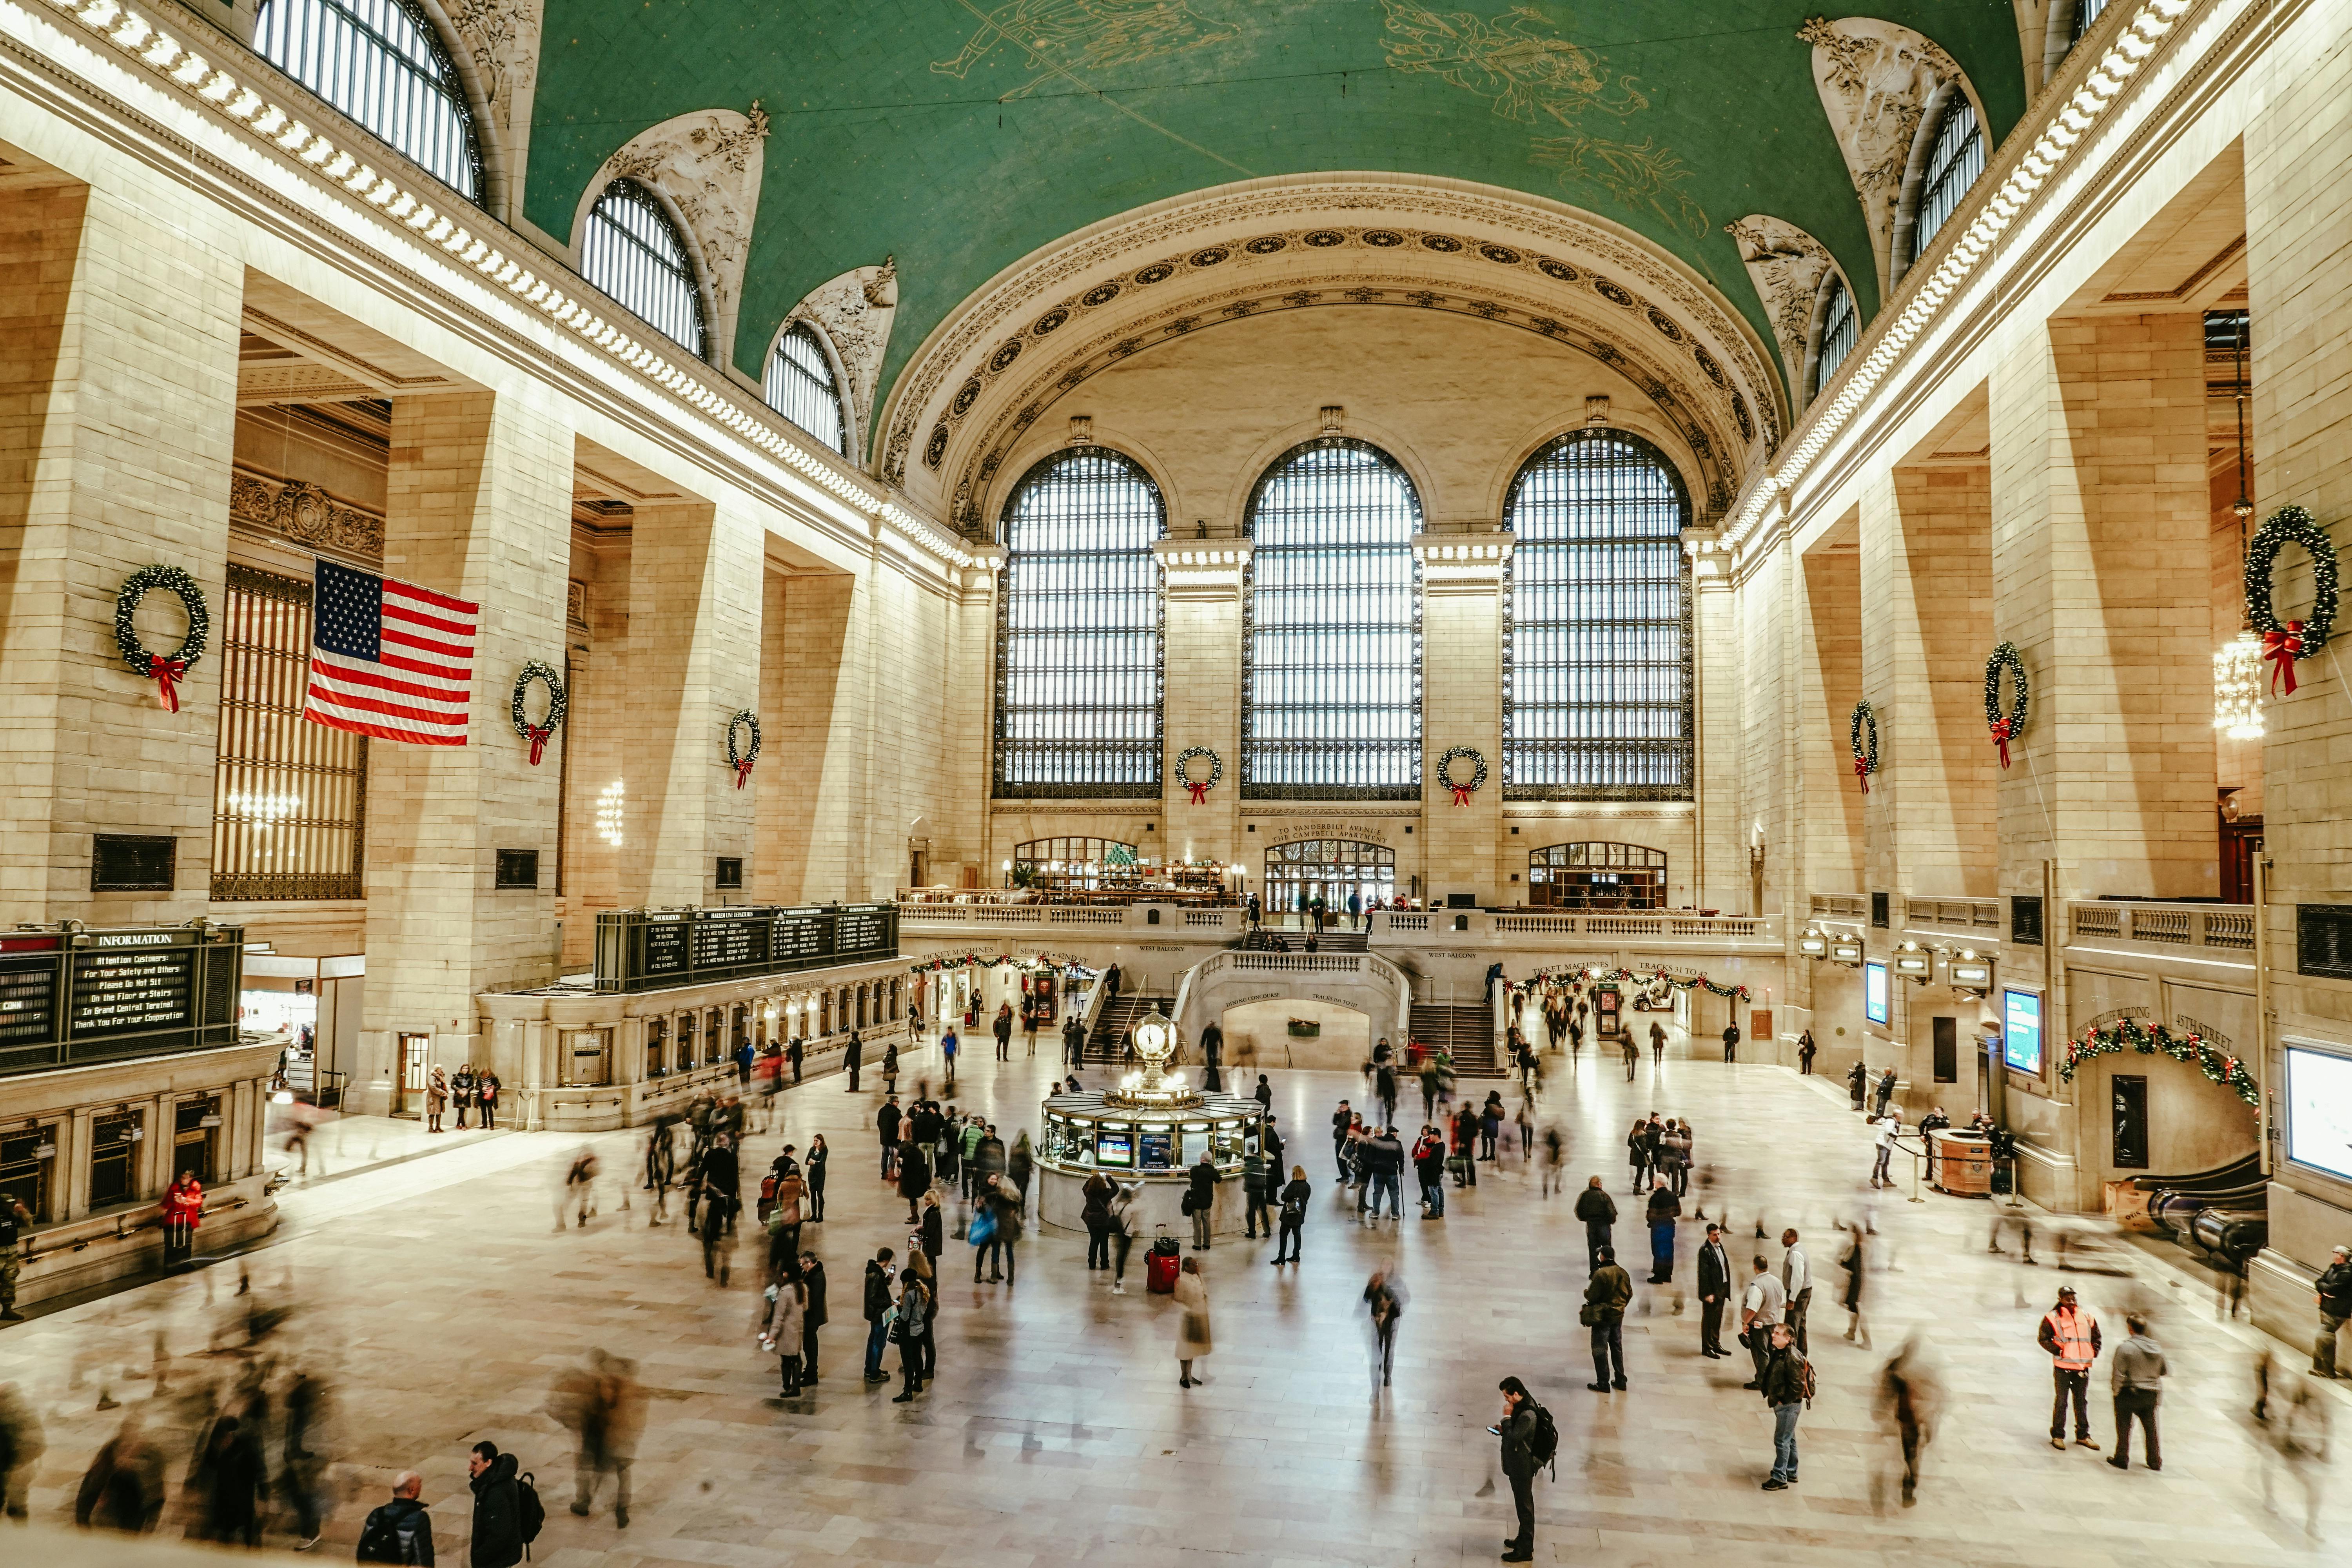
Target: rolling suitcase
[{"x": 1160, "y": 1265}]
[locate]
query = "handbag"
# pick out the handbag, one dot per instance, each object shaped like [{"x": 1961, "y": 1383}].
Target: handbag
[
  {"x": 983, "y": 1229},
  {"x": 1585, "y": 1314}
]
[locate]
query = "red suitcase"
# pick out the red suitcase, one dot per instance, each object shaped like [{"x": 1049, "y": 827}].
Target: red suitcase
[{"x": 1160, "y": 1264}]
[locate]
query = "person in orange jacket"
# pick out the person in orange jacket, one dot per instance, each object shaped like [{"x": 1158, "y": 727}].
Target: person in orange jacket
[
  {"x": 184, "y": 1210},
  {"x": 2071, "y": 1334}
]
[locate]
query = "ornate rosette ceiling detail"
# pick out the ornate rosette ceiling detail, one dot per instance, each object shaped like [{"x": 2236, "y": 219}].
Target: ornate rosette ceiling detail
[{"x": 992, "y": 368}]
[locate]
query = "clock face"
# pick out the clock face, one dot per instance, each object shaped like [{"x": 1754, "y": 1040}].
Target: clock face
[{"x": 1148, "y": 1037}]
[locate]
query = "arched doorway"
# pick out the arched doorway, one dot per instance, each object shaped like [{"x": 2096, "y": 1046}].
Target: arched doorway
[
  {"x": 1597, "y": 875},
  {"x": 1297, "y": 874}
]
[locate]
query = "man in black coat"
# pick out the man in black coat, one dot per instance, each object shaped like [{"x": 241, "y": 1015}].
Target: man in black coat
[
  {"x": 885, "y": 1122},
  {"x": 1713, "y": 1291},
  {"x": 850, "y": 1058},
  {"x": 1598, "y": 1210},
  {"x": 1518, "y": 1433},
  {"x": 878, "y": 1270},
  {"x": 498, "y": 1508},
  {"x": 2333, "y": 1288},
  {"x": 1201, "y": 1200}
]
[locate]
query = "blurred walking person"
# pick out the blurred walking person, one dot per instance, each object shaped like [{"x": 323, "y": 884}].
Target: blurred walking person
[
  {"x": 1855, "y": 1266},
  {"x": 1907, "y": 1393},
  {"x": 606, "y": 1410},
  {"x": 122, "y": 1489},
  {"x": 22, "y": 1443},
  {"x": 1384, "y": 1299}
]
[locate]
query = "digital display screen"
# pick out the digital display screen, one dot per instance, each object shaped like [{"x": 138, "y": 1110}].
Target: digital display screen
[
  {"x": 666, "y": 949},
  {"x": 1874, "y": 992},
  {"x": 118, "y": 992},
  {"x": 2319, "y": 1111},
  {"x": 1115, "y": 1149},
  {"x": 2020, "y": 1030},
  {"x": 1158, "y": 1150}
]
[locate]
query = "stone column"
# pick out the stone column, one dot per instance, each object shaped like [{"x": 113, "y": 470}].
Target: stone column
[
  {"x": 1719, "y": 880},
  {"x": 2298, "y": 174},
  {"x": 1462, "y": 705},
  {"x": 695, "y": 608},
  {"x": 804, "y": 852},
  {"x": 1926, "y": 577},
  {"x": 479, "y": 507},
  {"x": 118, "y": 399},
  {"x": 2099, "y": 519},
  {"x": 1202, "y": 706}
]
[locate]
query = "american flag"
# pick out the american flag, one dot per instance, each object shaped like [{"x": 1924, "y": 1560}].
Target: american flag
[{"x": 389, "y": 658}]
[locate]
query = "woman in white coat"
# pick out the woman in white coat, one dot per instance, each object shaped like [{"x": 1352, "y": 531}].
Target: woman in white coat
[{"x": 1192, "y": 1338}]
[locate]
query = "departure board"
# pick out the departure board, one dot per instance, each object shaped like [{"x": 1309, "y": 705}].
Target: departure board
[
  {"x": 727, "y": 939},
  {"x": 637, "y": 951},
  {"x": 133, "y": 989},
  {"x": 665, "y": 948},
  {"x": 862, "y": 931},
  {"x": 801, "y": 936},
  {"x": 29, "y": 996}
]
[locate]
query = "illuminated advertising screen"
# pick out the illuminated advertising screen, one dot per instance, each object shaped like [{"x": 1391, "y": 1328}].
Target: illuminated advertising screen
[
  {"x": 2319, "y": 1111},
  {"x": 2020, "y": 1030},
  {"x": 1874, "y": 992}
]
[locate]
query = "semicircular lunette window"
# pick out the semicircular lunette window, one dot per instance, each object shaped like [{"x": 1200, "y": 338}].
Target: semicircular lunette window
[
  {"x": 1078, "y": 630},
  {"x": 383, "y": 63},
  {"x": 1954, "y": 161},
  {"x": 801, "y": 387},
  {"x": 1331, "y": 649},
  {"x": 632, "y": 250},
  {"x": 1596, "y": 685}
]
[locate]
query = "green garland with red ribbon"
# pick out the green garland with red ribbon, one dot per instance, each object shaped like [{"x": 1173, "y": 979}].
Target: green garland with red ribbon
[
  {"x": 2218, "y": 1066},
  {"x": 2284, "y": 644},
  {"x": 989, "y": 960},
  {"x": 1586, "y": 971}
]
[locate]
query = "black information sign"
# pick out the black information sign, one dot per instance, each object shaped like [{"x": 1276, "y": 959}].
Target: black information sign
[
  {"x": 127, "y": 990},
  {"x": 637, "y": 951},
  {"x": 70, "y": 997}
]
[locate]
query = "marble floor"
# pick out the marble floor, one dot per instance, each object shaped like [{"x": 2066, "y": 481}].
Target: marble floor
[{"x": 440, "y": 1299}]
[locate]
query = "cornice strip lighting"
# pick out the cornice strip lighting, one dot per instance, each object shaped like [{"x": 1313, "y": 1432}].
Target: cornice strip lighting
[
  {"x": 265, "y": 120},
  {"x": 2049, "y": 153}
]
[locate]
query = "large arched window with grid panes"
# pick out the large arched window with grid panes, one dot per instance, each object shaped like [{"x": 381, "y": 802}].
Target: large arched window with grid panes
[
  {"x": 802, "y": 387},
  {"x": 1955, "y": 158},
  {"x": 1596, "y": 649},
  {"x": 1838, "y": 329},
  {"x": 383, "y": 63},
  {"x": 1078, "y": 630},
  {"x": 1331, "y": 649},
  {"x": 633, "y": 250}
]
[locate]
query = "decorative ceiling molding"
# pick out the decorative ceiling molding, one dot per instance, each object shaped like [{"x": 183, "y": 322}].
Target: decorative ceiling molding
[
  {"x": 502, "y": 37},
  {"x": 708, "y": 164},
  {"x": 305, "y": 513},
  {"x": 1786, "y": 265},
  {"x": 1521, "y": 257},
  {"x": 853, "y": 312},
  {"x": 1875, "y": 79}
]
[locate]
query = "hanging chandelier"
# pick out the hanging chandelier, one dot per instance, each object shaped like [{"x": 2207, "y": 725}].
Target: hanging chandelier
[{"x": 2238, "y": 663}]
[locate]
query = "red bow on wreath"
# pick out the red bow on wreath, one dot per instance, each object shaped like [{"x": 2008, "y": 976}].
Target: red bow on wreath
[
  {"x": 744, "y": 771},
  {"x": 168, "y": 671},
  {"x": 2282, "y": 649},
  {"x": 1461, "y": 794},
  {"x": 1200, "y": 792},
  {"x": 2000, "y": 734},
  {"x": 538, "y": 734},
  {"x": 1862, "y": 771}
]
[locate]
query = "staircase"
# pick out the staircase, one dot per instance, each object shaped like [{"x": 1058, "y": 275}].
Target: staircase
[
  {"x": 1102, "y": 1046},
  {"x": 1262, "y": 940},
  {"x": 1468, "y": 1032}
]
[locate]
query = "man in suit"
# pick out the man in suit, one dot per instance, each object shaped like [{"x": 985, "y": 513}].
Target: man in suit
[{"x": 1713, "y": 1291}]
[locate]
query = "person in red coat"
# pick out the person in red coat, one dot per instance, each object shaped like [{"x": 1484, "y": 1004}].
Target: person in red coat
[{"x": 184, "y": 1210}]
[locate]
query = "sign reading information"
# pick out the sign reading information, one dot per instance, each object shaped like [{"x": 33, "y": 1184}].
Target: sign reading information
[{"x": 74, "y": 996}]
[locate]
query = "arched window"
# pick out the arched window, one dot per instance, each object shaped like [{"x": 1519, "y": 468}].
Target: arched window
[
  {"x": 1331, "y": 649},
  {"x": 1840, "y": 329},
  {"x": 633, "y": 252},
  {"x": 1072, "y": 862},
  {"x": 801, "y": 388},
  {"x": 2086, "y": 13},
  {"x": 383, "y": 63},
  {"x": 1078, "y": 630},
  {"x": 1598, "y": 876},
  {"x": 1596, "y": 652},
  {"x": 1954, "y": 161}
]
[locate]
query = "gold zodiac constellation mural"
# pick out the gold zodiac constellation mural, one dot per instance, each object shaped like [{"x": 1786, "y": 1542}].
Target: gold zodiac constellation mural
[
  {"x": 1527, "y": 73},
  {"x": 1064, "y": 36}
]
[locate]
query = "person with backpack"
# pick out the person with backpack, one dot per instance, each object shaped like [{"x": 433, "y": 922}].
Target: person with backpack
[
  {"x": 1788, "y": 1388},
  {"x": 1606, "y": 1296},
  {"x": 507, "y": 1514},
  {"x": 1293, "y": 1216},
  {"x": 401, "y": 1529},
  {"x": 1529, "y": 1441}
]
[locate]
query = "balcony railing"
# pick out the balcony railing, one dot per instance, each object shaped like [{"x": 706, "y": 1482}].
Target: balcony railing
[
  {"x": 927, "y": 912},
  {"x": 1654, "y": 925},
  {"x": 2227, "y": 927},
  {"x": 1841, "y": 907},
  {"x": 1954, "y": 914}
]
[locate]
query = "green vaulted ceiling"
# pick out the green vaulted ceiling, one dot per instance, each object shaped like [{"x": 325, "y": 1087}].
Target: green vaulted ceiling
[{"x": 959, "y": 135}]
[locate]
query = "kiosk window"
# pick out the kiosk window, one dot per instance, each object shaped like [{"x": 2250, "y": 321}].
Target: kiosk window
[
  {"x": 1115, "y": 1149},
  {"x": 24, "y": 1174},
  {"x": 113, "y": 1159},
  {"x": 195, "y": 1126}
]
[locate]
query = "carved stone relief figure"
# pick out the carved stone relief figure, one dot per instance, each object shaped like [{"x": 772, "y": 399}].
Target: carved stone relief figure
[
  {"x": 1786, "y": 265},
  {"x": 1874, "y": 79},
  {"x": 303, "y": 512},
  {"x": 708, "y": 162},
  {"x": 499, "y": 39},
  {"x": 853, "y": 312}
]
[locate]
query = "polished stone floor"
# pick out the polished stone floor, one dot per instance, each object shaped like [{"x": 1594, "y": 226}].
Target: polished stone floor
[{"x": 440, "y": 1299}]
